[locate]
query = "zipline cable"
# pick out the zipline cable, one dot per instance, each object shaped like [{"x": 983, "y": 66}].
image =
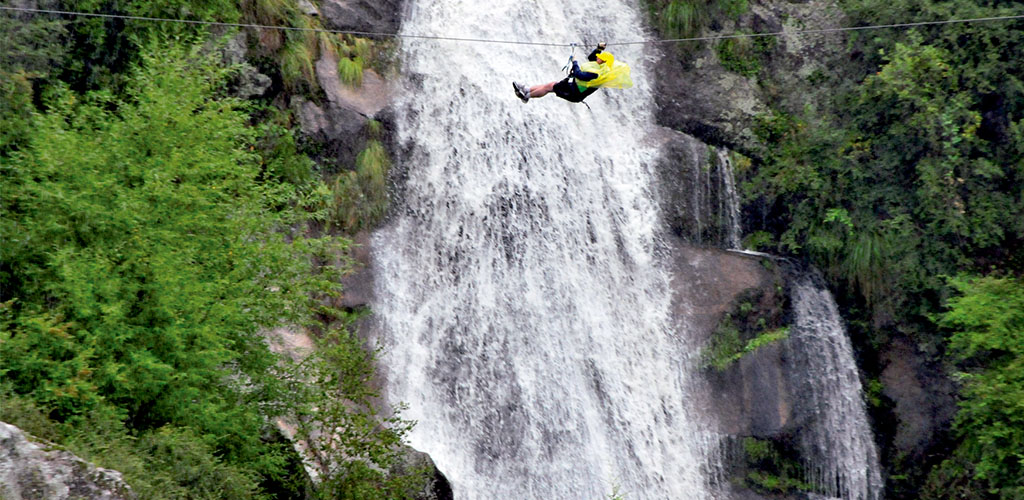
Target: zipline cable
[
  {"x": 283, "y": 28},
  {"x": 510, "y": 42},
  {"x": 823, "y": 30}
]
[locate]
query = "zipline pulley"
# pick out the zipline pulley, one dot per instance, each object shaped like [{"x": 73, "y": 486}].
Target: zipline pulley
[{"x": 572, "y": 57}]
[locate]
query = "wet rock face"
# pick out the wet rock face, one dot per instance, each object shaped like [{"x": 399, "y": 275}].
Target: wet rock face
[
  {"x": 337, "y": 131},
  {"x": 33, "y": 470},
  {"x": 436, "y": 487},
  {"x": 379, "y": 16},
  {"x": 698, "y": 95},
  {"x": 924, "y": 400},
  {"x": 752, "y": 397},
  {"x": 337, "y": 124},
  {"x": 693, "y": 187}
]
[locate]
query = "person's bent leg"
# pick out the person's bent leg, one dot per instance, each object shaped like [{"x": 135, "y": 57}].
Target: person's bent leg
[{"x": 541, "y": 90}]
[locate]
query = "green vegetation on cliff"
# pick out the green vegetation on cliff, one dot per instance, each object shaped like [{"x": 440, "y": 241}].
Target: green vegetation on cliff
[
  {"x": 155, "y": 230},
  {"x": 909, "y": 171},
  {"x": 987, "y": 320},
  {"x": 913, "y": 172}
]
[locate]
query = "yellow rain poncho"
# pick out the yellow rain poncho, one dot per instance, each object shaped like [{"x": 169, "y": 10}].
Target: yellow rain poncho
[{"x": 609, "y": 74}]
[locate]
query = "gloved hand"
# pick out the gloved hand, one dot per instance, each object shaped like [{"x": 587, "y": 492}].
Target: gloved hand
[{"x": 602, "y": 45}]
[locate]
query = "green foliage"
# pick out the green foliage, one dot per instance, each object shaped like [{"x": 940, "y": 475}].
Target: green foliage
[
  {"x": 733, "y": 8},
  {"x": 987, "y": 321},
  {"x": 681, "y": 18},
  {"x": 906, "y": 158},
  {"x": 756, "y": 320},
  {"x": 769, "y": 468},
  {"x": 360, "y": 196},
  {"x": 738, "y": 55},
  {"x": 351, "y": 71},
  {"x": 688, "y": 18},
  {"x": 280, "y": 156},
  {"x": 909, "y": 171},
  {"x": 726, "y": 347},
  {"x": 147, "y": 231},
  {"x": 272, "y": 12},
  {"x": 15, "y": 110},
  {"x": 23, "y": 413},
  {"x": 102, "y": 50},
  {"x": 355, "y": 54},
  {"x": 758, "y": 240},
  {"x": 616, "y": 493},
  {"x": 148, "y": 240},
  {"x": 874, "y": 392},
  {"x": 31, "y": 45},
  {"x": 297, "y": 57},
  {"x": 168, "y": 462},
  {"x": 343, "y": 426}
]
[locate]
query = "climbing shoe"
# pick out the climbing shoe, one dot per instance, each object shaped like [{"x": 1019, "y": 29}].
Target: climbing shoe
[{"x": 522, "y": 91}]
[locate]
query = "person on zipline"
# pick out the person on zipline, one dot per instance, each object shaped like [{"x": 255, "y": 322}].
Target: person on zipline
[{"x": 599, "y": 71}]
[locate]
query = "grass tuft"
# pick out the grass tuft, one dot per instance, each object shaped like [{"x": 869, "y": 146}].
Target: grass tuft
[
  {"x": 272, "y": 12},
  {"x": 297, "y": 70},
  {"x": 683, "y": 18},
  {"x": 360, "y": 196},
  {"x": 350, "y": 71}
]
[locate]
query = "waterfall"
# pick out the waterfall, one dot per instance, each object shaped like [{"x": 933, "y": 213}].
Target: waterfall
[
  {"x": 519, "y": 289},
  {"x": 836, "y": 444},
  {"x": 522, "y": 293},
  {"x": 699, "y": 195},
  {"x": 729, "y": 200}
]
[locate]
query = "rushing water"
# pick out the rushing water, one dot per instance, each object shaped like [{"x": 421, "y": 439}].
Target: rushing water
[
  {"x": 523, "y": 303},
  {"x": 729, "y": 200},
  {"x": 519, "y": 283},
  {"x": 837, "y": 445}
]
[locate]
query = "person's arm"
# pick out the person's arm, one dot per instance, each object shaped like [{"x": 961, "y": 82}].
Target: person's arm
[
  {"x": 582, "y": 75},
  {"x": 595, "y": 52}
]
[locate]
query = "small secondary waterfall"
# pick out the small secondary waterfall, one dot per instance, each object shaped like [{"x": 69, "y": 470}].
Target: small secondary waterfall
[
  {"x": 520, "y": 291},
  {"x": 729, "y": 200},
  {"x": 837, "y": 444},
  {"x": 699, "y": 192}
]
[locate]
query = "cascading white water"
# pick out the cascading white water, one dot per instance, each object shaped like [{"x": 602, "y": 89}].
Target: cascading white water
[
  {"x": 523, "y": 305},
  {"x": 729, "y": 200},
  {"x": 519, "y": 288},
  {"x": 837, "y": 444},
  {"x": 701, "y": 201}
]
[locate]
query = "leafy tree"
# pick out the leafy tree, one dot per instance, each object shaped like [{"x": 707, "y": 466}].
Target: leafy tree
[
  {"x": 987, "y": 321},
  {"x": 102, "y": 50},
  {"x": 147, "y": 244}
]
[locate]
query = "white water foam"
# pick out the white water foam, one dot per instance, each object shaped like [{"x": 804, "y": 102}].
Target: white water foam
[
  {"x": 518, "y": 286},
  {"x": 729, "y": 201},
  {"x": 836, "y": 444},
  {"x": 523, "y": 304}
]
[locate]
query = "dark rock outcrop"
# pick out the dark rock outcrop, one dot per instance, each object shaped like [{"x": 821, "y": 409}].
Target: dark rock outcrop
[
  {"x": 924, "y": 399},
  {"x": 694, "y": 183},
  {"x": 32, "y": 469},
  {"x": 336, "y": 131},
  {"x": 247, "y": 82},
  {"x": 752, "y": 397},
  {"x": 380, "y": 16},
  {"x": 357, "y": 286},
  {"x": 697, "y": 95},
  {"x": 436, "y": 486}
]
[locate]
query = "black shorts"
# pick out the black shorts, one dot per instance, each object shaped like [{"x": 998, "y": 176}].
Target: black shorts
[{"x": 568, "y": 90}]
